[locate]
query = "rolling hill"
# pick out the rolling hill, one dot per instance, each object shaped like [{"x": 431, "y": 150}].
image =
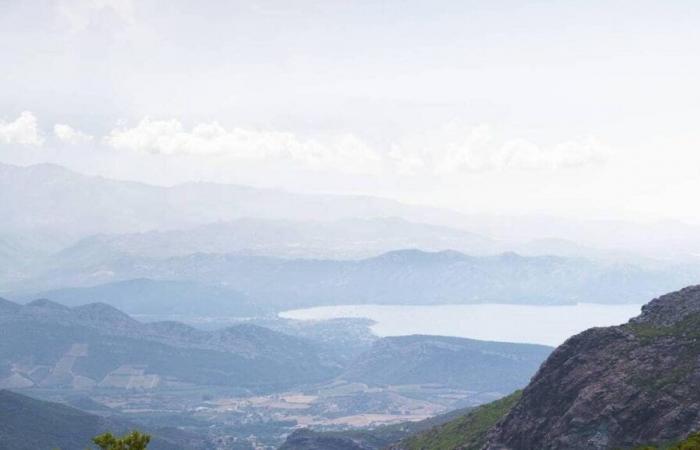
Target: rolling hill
[{"x": 448, "y": 361}]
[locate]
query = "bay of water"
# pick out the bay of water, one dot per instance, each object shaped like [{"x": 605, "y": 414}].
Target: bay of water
[{"x": 548, "y": 325}]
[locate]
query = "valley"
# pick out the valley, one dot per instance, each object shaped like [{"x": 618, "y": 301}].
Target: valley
[
  {"x": 248, "y": 383},
  {"x": 349, "y": 225}
]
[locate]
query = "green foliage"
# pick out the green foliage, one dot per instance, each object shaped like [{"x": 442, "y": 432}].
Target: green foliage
[
  {"x": 691, "y": 443},
  {"x": 132, "y": 441},
  {"x": 467, "y": 432}
]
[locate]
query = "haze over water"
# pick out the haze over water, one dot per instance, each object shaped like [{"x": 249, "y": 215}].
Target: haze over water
[{"x": 548, "y": 325}]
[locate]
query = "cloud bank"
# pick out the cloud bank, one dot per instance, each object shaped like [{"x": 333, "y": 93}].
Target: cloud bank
[
  {"x": 169, "y": 137},
  {"x": 452, "y": 149}
]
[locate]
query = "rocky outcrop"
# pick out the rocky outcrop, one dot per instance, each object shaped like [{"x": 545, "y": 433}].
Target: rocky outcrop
[{"x": 615, "y": 387}]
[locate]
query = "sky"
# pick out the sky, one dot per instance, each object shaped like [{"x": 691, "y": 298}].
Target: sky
[{"x": 569, "y": 108}]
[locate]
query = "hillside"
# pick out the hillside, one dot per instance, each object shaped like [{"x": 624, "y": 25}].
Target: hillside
[
  {"x": 159, "y": 298},
  {"x": 45, "y": 344},
  {"x": 399, "y": 277},
  {"x": 30, "y": 424},
  {"x": 615, "y": 387},
  {"x": 449, "y": 361},
  {"x": 464, "y": 433}
]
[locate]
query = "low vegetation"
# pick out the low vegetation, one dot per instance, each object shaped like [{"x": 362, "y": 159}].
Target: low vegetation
[{"x": 467, "y": 432}]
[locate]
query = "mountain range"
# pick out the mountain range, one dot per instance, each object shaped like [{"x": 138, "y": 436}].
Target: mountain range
[
  {"x": 350, "y": 238},
  {"x": 51, "y": 200},
  {"x": 280, "y": 250},
  {"x": 47, "y": 208},
  {"x": 45, "y": 344},
  {"x": 400, "y": 277}
]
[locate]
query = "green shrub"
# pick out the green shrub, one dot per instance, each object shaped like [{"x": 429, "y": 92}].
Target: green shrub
[{"x": 132, "y": 441}]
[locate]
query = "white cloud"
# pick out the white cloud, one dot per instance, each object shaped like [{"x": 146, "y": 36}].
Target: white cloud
[
  {"x": 23, "y": 130},
  {"x": 522, "y": 154},
  {"x": 70, "y": 135},
  {"x": 455, "y": 148},
  {"x": 343, "y": 152}
]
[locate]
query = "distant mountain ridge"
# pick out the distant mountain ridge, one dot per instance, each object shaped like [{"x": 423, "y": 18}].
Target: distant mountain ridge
[
  {"x": 399, "y": 277},
  {"x": 143, "y": 296},
  {"x": 51, "y": 207},
  {"x": 75, "y": 205},
  {"x": 348, "y": 238}
]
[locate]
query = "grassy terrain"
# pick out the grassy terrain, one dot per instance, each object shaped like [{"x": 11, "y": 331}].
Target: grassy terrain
[{"x": 467, "y": 432}]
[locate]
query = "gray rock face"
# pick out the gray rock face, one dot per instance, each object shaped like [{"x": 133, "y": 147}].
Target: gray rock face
[
  {"x": 615, "y": 387},
  {"x": 671, "y": 308}
]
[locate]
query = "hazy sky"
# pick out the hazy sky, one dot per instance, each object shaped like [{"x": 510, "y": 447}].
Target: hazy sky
[{"x": 567, "y": 108}]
